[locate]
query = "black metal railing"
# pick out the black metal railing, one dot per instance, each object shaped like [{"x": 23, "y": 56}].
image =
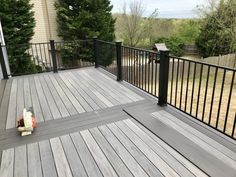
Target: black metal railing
[
  {"x": 107, "y": 58},
  {"x": 50, "y": 56},
  {"x": 140, "y": 68},
  {"x": 74, "y": 54},
  {"x": 204, "y": 91}
]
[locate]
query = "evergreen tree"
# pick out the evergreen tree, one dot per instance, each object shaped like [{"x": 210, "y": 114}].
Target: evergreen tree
[
  {"x": 81, "y": 19},
  {"x": 18, "y": 27},
  {"x": 78, "y": 19},
  {"x": 218, "y": 31}
]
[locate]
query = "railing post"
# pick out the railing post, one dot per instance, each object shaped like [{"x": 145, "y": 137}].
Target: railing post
[
  {"x": 119, "y": 61},
  {"x": 3, "y": 64},
  {"x": 163, "y": 77},
  {"x": 54, "y": 58},
  {"x": 95, "y": 49}
]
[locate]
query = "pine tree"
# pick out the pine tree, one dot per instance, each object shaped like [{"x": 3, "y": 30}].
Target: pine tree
[
  {"x": 78, "y": 19},
  {"x": 81, "y": 19},
  {"x": 218, "y": 31},
  {"x": 18, "y": 27}
]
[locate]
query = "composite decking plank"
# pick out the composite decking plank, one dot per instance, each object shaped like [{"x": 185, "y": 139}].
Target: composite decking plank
[
  {"x": 70, "y": 95},
  {"x": 100, "y": 96},
  {"x": 102, "y": 86},
  {"x": 98, "y": 155},
  {"x": 207, "y": 162},
  {"x": 150, "y": 169},
  {"x": 84, "y": 94},
  {"x": 128, "y": 92},
  {"x": 27, "y": 94},
  {"x": 80, "y": 96},
  {"x": 189, "y": 165},
  {"x": 61, "y": 107},
  {"x": 20, "y": 105},
  {"x": 115, "y": 86},
  {"x": 119, "y": 98},
  {"x": 211, "y": 150},
  {"x": 130, "y": 162},
  {"x": 43, "y": 102},
  {"x": 113, "y": 158},
  {"x": 34, "y": 161},
  {"x": 108, "y": 85},
  {"x": 165, "y": 169},
  {"x": 2, "y": 88},
  {"x": 85, "y": 91},
  {"x": 35, "y": 101},
  {"x": 168, "y": 158},
  {"x": 11, "y": 116},
  {"x": 85, "y": 156},
  {"x": 62, "y": 166},
  {"x": 63, "y": 96},
  {"x": 200, "y": 135},
  {"x": 4, "y": 106},
  {"x": 51, "y": 102},
  {"x": 105, "y": 93},
  {"x": 47, "y": 161},
  {"x": 73, "y": 158},
  {"x": 7, "y": 163},
  {"x": 20, "y": 165}
]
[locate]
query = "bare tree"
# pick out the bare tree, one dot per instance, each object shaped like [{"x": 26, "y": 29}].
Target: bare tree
[{"x": 132, "y": 26}]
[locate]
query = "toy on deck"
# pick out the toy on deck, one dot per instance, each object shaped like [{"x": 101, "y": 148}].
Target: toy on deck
[{"x": 27, "y": 122}]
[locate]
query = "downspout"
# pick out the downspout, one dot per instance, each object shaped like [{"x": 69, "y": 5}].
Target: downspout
[{"x": 48, "y": 21}]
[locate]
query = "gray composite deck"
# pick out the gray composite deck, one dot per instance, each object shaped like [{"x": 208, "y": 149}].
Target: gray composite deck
[
  {"x": 128, "y": 136},
  {"x": 55, "y": 96}
]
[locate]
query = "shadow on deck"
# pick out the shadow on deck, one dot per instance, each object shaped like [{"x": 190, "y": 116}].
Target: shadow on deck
[{"x": 91, "y": 125}]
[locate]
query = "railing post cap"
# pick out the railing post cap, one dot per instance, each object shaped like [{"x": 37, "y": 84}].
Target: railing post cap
[
  {"x": 95, "y": 37},
  {"x": 165, "y": 51}
]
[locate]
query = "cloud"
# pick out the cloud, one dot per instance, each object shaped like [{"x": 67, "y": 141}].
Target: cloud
[{"x": 166, "y": 8}]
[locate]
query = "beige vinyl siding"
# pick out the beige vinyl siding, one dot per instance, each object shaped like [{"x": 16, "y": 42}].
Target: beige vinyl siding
[{"x": 45, "y": 17}]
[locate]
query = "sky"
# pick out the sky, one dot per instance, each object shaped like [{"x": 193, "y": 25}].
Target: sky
[{"x": 166, "y": 8}]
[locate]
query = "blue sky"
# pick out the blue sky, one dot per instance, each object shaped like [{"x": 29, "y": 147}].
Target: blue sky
[{"x": 166, "y": 8}]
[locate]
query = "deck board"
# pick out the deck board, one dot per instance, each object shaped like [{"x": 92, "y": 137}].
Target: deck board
[
  {"x": 42, "y": 100},
  {"x": 4, "y": 105},
  {"x": 60, "y": 105},
  {"x": 34, "y": 161},
  {"x": 71, "y": 109},
  {"x": 20, "y": 161},
  {"x": 62, "y": 95},
  {"x": 143, "y": 161},
  {"x": 122, "y": 148},
  {"x": 194, "y": 152},
  {"x": 11, "y": 116},
  {"x": 51, "y": 102},
  {"x": 73, "y": 158},
  {"x": 62, "y": 166},
  {"x": 35, "y": 101}
]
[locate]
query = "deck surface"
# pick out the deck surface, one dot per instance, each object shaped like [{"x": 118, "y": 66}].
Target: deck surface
[
  {"x": 120, "y": 132},
  {"x": 122, "y": 148},
  {"x": 56, "y": 96}
]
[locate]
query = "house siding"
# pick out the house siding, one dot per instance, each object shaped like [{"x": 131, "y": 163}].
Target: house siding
[{"x": 45, "y": 17}]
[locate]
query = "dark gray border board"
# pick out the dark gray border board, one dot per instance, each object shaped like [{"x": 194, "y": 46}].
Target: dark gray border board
[
  {"x": 207, "y": 130},
  {"x": 193, "y": 152},
  {"x": 216, "y": 135},
  {"x": 66, "y": 127}
]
